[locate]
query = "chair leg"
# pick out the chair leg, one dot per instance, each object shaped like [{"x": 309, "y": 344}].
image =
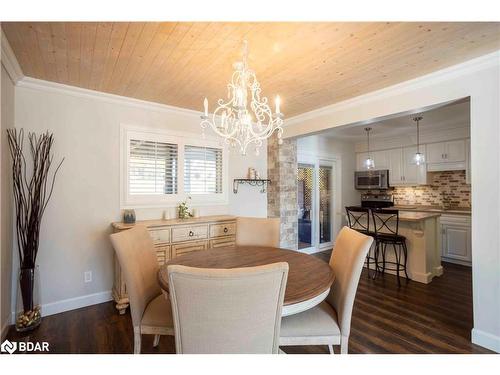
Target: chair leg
[
  {"x": 156, "y": 340},
  {"x": 405, "y": 254},
  {"x": 344, "y": 345},
  {"x": 330, "y": 349},
  {"x": 137, "y": 341},
  {"x": 384, "y": 247},
  {"x": 397, "y": 254}
]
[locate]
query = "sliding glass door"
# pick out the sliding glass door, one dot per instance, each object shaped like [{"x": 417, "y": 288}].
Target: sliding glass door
[
  {"x": 305, "y": 181},
  {"x": 315, "y": 205}
]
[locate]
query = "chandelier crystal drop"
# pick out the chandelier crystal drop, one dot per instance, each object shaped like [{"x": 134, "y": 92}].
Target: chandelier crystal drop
[{"x": 245, "y": 118}]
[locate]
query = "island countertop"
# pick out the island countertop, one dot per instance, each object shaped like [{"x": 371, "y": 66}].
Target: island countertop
[{"x": 416, "y": 216}]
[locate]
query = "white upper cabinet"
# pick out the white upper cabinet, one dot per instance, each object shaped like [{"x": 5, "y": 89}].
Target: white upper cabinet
[
  {"x": 455, "y": 151},
  {"x": 379, "y": 158},
  {"x": 410, "y": 169},
  {"x": 447, "y": 156},
  {"x": 395, "y": 159}
]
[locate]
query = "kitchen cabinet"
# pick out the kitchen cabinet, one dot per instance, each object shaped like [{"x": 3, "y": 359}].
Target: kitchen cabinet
[
  {"x": 456, "y": 239},
  {"x": 446, "y": 156},
  {"x": 379, "y": 158},
  {"x": 402, "y": 168}
]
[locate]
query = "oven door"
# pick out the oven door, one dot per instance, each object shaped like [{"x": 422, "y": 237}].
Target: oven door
[{"x": 371, "y": 180}]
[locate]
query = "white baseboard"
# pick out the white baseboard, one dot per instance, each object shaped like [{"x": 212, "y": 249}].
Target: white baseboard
[
  {"x": 73, "y": 303},
  {"x": 486, "y": 340},
  {"x": 5, "y": 327}
]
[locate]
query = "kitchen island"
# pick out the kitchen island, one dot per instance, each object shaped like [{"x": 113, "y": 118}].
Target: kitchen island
[{"x": 423, "y": 239}]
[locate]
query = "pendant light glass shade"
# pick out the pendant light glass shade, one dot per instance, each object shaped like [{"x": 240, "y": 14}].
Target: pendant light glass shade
[
  {"x": 418, "y": 158},
  {"x": 369, "y": 162}
]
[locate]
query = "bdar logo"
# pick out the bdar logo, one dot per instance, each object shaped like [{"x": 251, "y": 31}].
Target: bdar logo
[{"x": 8, "y": 347}]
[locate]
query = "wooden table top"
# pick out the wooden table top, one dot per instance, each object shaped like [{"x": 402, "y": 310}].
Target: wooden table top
[{"x": 308, "y": 276}]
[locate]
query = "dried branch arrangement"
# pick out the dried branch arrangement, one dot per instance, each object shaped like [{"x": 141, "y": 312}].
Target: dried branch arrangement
[{"x": 32, "y": 189}]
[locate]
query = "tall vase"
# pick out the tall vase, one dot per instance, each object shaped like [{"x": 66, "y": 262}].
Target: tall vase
[{"x": 29, "y": 315}]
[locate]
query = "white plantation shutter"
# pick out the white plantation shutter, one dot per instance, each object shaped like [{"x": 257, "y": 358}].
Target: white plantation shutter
[
  {"x": 152, "y": 168},
  {"x": 202, "y": 170}
]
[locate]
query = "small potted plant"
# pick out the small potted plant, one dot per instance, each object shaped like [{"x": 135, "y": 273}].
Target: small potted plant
[{"x": 184, "y": 209}]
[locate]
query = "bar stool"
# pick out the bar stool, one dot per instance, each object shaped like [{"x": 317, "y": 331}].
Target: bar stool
[
  {"x": 358, "y": 218},
  {"x": 386, "y": 225}
]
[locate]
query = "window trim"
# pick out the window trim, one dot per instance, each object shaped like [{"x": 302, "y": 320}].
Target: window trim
[{"x": 128, "y": 132}]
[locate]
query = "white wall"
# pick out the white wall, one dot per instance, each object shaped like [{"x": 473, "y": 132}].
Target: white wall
[
  {"x": 76, "y": 225},
  {"x": 479, "y": 79},
  {"x": 6, "y": 219}
]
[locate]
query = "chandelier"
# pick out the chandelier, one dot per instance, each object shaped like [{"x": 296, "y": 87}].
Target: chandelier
[{"x": 245, "y": 118}]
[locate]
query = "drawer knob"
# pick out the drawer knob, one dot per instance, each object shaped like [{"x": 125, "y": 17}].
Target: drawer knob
[
  {"x": 191, "y": 233},
  {"x": 225, "y": 230}
]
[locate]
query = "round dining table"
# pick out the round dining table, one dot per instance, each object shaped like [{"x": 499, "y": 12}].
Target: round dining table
[{"x": 309, "y": 278}]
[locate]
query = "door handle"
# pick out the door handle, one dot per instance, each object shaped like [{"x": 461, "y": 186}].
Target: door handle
[{"x": 191, "y": 233}]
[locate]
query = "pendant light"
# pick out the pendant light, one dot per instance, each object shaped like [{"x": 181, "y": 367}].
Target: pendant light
[
  {"x": 369, "y": 163},
  {"x": 418, "y": 158}
]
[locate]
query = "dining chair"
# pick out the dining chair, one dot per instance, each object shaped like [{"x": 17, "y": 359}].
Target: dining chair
[
  {"x": 225, "y": 311},
  {"x": 256, "y": 231},
  {"x": 151, "y": 312},
  {"x": 329, "y": 323}
]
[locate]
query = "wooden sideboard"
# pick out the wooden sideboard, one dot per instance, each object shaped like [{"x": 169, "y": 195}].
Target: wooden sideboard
[{"x": 176, "y": 237}]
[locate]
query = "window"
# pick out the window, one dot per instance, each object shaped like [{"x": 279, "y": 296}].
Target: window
[
  {"x": 202, "y": 170},
  {"x": 152, "y": 168},
  {"x": 161, "y": 169}
]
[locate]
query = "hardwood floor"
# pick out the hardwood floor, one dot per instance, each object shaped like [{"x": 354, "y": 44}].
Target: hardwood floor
[{"x": 415, "y": 318}]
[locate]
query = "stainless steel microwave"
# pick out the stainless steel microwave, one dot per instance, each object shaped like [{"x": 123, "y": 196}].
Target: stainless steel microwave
[{"x": 378, "y": 179}]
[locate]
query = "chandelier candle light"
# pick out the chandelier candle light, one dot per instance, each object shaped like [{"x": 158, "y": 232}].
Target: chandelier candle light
[{"x": 245, "y": 118}]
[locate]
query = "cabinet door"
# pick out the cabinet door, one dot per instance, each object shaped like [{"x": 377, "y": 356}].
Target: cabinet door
[
  {"x": 380, "y": 159},
  {"x": 455, "y": 151},
  {"x": 456, "y": 242},
  {"x": 410, "y": 169},
  {"x": 436, "y": 152},
  {"x": 360, "y": 161},
  {"x": 395, "y": 161}
]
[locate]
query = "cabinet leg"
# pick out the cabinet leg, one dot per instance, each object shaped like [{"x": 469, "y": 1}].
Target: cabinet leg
[{"x": 121, "y": 307}]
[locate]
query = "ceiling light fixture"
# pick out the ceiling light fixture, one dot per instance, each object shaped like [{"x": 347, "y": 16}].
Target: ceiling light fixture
[
  {"x": 418, "y": 158},
  {"x": 369, "y": 163},
  {"x": 246, "y": 117}
]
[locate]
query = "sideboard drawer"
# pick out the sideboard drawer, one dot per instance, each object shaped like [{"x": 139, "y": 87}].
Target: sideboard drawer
[
  {"x": 160, "y": 235},
  {"x": 188, "y": 247},
  {"x": 222, "y": 229},
  {"x": 162, "y": 253},
  {"x": 223, "y": 242},
  {"x": 195, "y": 232}
]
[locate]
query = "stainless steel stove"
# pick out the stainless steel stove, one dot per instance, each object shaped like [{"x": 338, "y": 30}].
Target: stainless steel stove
[{"x": 380, "y": 200}]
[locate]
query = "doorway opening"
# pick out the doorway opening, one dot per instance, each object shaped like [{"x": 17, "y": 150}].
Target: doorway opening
[{"x": 315, "y": 202}]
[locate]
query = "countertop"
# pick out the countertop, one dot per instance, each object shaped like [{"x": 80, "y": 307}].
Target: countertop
[
  {"x": 434, "y": 209},
  {"x": 417, "y": 216},
  {"x": 162, "y": 222}
]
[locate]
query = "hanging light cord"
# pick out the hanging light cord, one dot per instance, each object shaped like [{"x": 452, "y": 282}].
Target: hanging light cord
[
  {"x": 417, "y": 119},
  {"x": 368, "y": 140}
]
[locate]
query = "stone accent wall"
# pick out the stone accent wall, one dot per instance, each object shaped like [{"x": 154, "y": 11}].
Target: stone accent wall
[
  {"x": 282, "y": 192},
  {"x": 444, "y": 189}
]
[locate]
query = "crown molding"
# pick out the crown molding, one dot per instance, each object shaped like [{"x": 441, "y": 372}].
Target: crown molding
[
  {"x": 467, "y": 67},
  {"x": 9, "y": 61},
  {"x": 39, "y": 84}
]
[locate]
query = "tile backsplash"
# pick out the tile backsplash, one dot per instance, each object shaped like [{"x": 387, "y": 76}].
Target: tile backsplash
[{"x": 444, "y": 189}]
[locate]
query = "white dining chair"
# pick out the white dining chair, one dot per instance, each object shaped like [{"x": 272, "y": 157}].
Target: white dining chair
[
  {"x": 256, "y": 231},
  {"x": 227, "y": 311},
  {"x": 329, "y": 323},
  {"x": 150, "y": 310}
]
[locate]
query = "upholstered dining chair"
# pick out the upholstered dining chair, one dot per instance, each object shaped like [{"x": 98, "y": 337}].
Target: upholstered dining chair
[
  {"x": 256, "y": 231},
  {"x": 329, "y": 323},
  {"x": 151, "y": 312},
  {"x": 225, "y": 311}
]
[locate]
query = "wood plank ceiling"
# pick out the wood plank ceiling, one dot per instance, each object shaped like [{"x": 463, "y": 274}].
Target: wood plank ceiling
[{"x": 309, "y": 64}]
